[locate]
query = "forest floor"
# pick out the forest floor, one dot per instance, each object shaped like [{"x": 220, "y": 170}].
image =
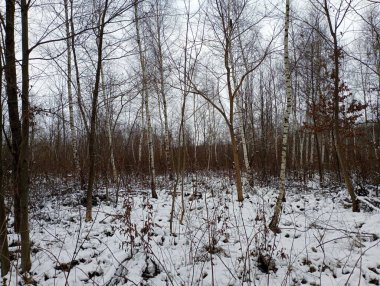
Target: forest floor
[{"x": 220, "y": 241}]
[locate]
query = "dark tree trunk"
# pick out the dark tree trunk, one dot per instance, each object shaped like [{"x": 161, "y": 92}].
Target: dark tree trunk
[
  {"x": 12, "y": 96},
  {"x": 336, "y": 90},
  {"x": 23, "y": 167},
  {"x": 4, "y": 251},
  {"x": 95, "y": 94}
]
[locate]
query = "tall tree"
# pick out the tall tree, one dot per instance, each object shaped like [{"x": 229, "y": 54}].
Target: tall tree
[
  {"x": 273, "y": 225},
  {"x": 145, "y": 95},
  {"x": 108, "y": 122},
  {"x": 12, "y": 100},
  {"x": 19, "y": 128},
  {"x": 4, "y": 251},
  {"x": 103, "y": 8},
  {"x": 224, "y": 24},
  {"x": 73, "y": 133},
  {"x": 23, "y": 166},
  {"x": 158, "y": 36},
  {"x": 334, "y": 22}
]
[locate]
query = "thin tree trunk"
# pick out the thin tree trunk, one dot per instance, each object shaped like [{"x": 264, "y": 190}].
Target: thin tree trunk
[
  {"x": 236, "y": 161},
  {"x": 108, "y": 128},
  {"x": 239, "y": 105},
  {"x": 195, "y": 143},
  {"x": 24, "y": 146},
  {"x": 77, "y": 74},
  {"x": 73, "y": 139},
  {"x": 95, "y": 94},
  {"x": 4, "y": 251},
  {"x": 323, "y": 149},
  {"x": 320, "y": 170},
  {"x": 146, "y": 102},
  {"x": 142, "y": 133},
  {"x": 302, "y": 140},
  {"x": 12, "y": 100},
  {"x": 278, "y": 207},
  {"x": 337, "y": 138},
  {"x": 232, "y": 93},
  {"x": 167, "y": 143}
]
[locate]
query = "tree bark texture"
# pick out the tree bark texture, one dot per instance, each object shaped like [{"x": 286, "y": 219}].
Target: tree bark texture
[
  {"x": 12, "y": 100},
  {"x": 74, "y": 143},
  {"x": 4, "y": 251},
  {"x": 24, "y": 146},
  {"x": 108, "y": 127},
  {"x": 146, "y": 103},
  {"x": 336, "y": 131},
  {"x": 273, "y": 225},
  {"x": 94, "y": 105}
]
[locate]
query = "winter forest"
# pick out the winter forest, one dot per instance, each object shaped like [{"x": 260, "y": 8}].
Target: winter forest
[{"x": 190, "y": 142}]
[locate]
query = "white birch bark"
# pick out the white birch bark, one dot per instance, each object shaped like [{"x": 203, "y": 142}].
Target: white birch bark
[
  {"x": 242, "y": 134},
  {"x": 146, "y": 103},
  {"x": 142, "y": 133},
  {"x": 163, "y": 97},
  {"x": 108, "y": 127},
  {"x": 73, "y": 135},
  {"x": 239, "y": 105},
  {"x": 278, "y": 207}
]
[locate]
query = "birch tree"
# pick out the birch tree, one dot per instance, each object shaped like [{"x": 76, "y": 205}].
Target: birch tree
[
  {"x": 157, "y": 33},
  {"x": 108, "y": 122},
  {"x": 224, "y": 22},
  {"x": 273, "y": 225},
  {"x": 145, "y": 95},
  {"x": 73, "y": 133}
]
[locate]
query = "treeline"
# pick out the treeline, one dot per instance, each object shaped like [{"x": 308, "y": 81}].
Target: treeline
[{"x": 52, "y": 155}]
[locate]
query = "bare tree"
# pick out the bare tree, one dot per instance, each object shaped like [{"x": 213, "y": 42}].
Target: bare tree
[
  {"x": 145, "y": 95},
  {"x": 19, "y": 128},
  {"x": 108, "y": 115},
  {"x": 73, "y": 133},
  {"x": 24, "y": 158},
  {"x": 273, "y": 225},
  {"x": 4, "y": 251},
  {"x": 94, "y": 105},
  {"x": 12, "y": 100},
  {"x": 334, "y": 23},
  {"x": 224, "y": 24},
  {"x": 157, "y": 26}
]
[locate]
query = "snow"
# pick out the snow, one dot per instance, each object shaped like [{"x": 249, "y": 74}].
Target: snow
[{"x": 221, "y": 241}]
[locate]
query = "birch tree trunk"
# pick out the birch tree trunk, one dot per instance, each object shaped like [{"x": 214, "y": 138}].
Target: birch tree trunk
[
  {"x": 239, "y": 105},
  {"x": 278, "y": 207},
  {"x": 74, "y": 143},
  {"x": 167, "y": 143},
  {"x": 108, "y": 127},
  {"x": 239, "y": 112},
  {"x": 142, "y": 134},
  {"x": 146, "y": 103},
  {"x": 77, "y": 75}
]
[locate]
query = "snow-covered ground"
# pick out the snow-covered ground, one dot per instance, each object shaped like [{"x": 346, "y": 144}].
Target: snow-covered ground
[{"x": 220, "y": 241}]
